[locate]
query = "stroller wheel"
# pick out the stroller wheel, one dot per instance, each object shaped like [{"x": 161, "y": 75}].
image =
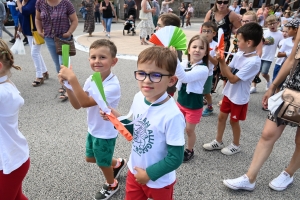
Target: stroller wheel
[
  {"x": 133, "y": 33},
  {"x": 123, "y": 32}
]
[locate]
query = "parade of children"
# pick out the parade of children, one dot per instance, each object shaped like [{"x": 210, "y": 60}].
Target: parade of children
[{"x": 145, "y": 122}]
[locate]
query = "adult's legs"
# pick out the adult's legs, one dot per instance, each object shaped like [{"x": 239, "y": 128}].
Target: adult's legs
[
  {"x": 52, "y": 50},
  {"x": 6, "y": 31},
  {"x": 37, "y": 58},
  {"x": 270, "y": 135},
  {"x": 295, "y": 161},
  {"x": 182, "y": 20},
  {"x": 108, "y": 24}
]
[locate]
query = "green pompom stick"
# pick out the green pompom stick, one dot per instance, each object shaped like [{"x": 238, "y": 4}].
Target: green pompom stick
[
  {"x": 98, "y": 80},
  {"x": 65, "y": 54}
]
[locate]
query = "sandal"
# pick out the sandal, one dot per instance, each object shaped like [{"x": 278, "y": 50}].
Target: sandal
[
  {"x": 62, "y": 90},
  {"x": 38, "y": 82},
  {"x": 46, "y": 75},
  {"x": 63, "y": 97}
]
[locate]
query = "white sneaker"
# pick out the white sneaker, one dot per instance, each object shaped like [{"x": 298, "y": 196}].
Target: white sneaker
[
  {"x": 241, "y": 183},
  {"x": 108, "y": 35},
  {"x": 231, "y": 149},
  {"x": 214, "y": 145},
  {"x": 252, "y": 90},
  {"x": 281, "y": 182},
  {"x": 268, "y": 85}
]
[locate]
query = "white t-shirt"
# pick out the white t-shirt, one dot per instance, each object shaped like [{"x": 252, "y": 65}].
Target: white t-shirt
[
  {"x": 239, "y": 93},
  {"x": 269, "y": 51},
  {"x": 164, "y": 8},
  {"x": 212, "y": 53},
  {"x": 286, "y": 46},
  {"x": 14, "y": 150},
  {"x": 163, "y": 125},
  {"x": 236, "y": 10},
  {"x": 97, "y": 126}
]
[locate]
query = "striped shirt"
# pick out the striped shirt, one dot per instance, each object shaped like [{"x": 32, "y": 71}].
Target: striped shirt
[{"x": 58, "y": 23}]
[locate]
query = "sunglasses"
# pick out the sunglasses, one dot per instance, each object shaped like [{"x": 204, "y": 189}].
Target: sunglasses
[{"x": 222, "y": 2}]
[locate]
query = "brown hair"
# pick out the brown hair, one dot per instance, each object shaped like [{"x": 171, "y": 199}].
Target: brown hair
[
  {"x": 251, "y": 13},
  {"x": 215, "y": 8},
  {"x": 6, "y": 56},
  {"x": 210, "y": 24},
  {"x": 163, "y": 57},
  {"x": 170, "y": 19},
  {"x": 105, "y": 43},
  {"x": 202, "y": 38},
  {"x": 271, "y": 18}
]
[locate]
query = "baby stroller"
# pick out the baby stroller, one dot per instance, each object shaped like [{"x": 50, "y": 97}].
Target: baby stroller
[{"x": 129, "y": 26}]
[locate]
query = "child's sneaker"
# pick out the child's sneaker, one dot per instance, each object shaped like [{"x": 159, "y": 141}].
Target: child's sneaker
[
  {"x": 281, "y": 182},
  {"x": 214, "y": 145},
  {"x": 107, "y": 191},
  {"x": 241, "y": 183},
  {"x": 252, "y": 90},
  {"x": 207, "y": 112},
  {"x": 231, "y": 149},
  {"x": 117, "y": 171},
  {"x": 188, "y": 155}
]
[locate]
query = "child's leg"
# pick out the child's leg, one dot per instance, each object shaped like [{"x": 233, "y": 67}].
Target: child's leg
[
  {"x": 265, "y": 67},
  {"x": 134, "y": 190},
  {"x": 190, "y": 131},
  {"x": 208, "y": 99},
  {"x": 236, "y": 130},
  {"x": 108, "y": 174},
  {"x": 222, "y": 118}
]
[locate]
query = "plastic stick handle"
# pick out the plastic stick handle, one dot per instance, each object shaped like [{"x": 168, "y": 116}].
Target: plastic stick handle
[{"x": 65, "y": 54}]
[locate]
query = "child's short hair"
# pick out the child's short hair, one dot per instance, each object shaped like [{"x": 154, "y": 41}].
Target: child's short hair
[
  {"x": 6, "y": 57},
  {"x": 105, "y": 43},
  {"x": 251, "y": 31},
  {"x": 163, "y": 57},
  {"x": 271, "y": 18},
  {"x": 170, "y": 19},
  {"x": 253, "y": 14},
  {"x": 210, "y": 24},
  {"x": 202, "y": 38}
]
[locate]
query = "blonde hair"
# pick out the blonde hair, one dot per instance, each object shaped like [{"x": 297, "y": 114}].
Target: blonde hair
[
  {"x": 6, "y": 56},
  {"x": 205, "y": 42},
  {"x": 253, "y": 14},
  {"x": 271, "y": 18}
]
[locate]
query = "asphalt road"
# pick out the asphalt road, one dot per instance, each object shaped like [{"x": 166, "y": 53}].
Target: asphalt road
[{"x": 56, "y": 135}]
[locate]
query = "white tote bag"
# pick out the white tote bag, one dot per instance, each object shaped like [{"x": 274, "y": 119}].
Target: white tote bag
[{"x": 143, "y": 16}]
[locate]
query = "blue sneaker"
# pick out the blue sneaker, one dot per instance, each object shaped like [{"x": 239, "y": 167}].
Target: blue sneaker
[{"x": 207, "y": 112}]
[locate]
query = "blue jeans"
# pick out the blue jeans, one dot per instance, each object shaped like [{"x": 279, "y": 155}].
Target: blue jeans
[
  {"x": 182, "y": 20},
  {"x": 57, "y": 59},
  {"x": 107, "y": 24}
]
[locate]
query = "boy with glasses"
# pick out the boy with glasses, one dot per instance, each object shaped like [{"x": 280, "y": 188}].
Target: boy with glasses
[
  {"x": 157, "y": 128},
  {"x": 271, "y": 41}
]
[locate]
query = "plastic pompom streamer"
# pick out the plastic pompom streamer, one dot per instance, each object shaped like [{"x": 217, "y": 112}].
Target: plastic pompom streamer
[
  {"x": 220, "y": 47},
  {"x": 99, "y": 96},
  {"x": 170, "y": 36}
]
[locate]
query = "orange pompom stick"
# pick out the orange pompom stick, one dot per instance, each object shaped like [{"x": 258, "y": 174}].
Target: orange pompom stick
[
  {"x": 221, "y": 47},
  {"x": 119, "y": 126}
]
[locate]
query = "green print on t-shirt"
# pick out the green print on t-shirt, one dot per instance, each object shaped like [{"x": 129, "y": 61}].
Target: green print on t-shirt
[{"x": 142, "y": 137}]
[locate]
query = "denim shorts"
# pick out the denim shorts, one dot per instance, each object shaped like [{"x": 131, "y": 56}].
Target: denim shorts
[{"x": 265, "y": 66}]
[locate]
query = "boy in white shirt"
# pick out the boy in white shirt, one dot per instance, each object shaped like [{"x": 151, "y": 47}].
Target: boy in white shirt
[
  {"x": 240, "y": 73},
  {"x": 271, "y": 41},
  {"x": 157, "y": 128},
  {"x": 286, "y": 45},
  {"x": 210, "y": 30},
  {"x": 101, "y": 137}
]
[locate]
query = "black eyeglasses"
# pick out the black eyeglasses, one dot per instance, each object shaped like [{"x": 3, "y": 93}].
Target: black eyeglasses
[
  {"x": 222, "y": 2},
  {"x": 154, "y": 77},
  {"x": 207, "y": 31}
]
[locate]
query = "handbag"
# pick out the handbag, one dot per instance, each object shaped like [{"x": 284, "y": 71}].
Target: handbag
[
  {"x": 290, "y": 109},
  {"x": 59, "y": 42},
  {"x": 143, "y": 16},
  {"x": 38, "y": 40}
]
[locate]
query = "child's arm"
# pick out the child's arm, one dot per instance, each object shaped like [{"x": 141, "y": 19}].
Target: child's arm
[
  {"x": 281, "y": 54},
  {"x": 78, "y": 94},
  {"x": 259, "y": 49},
  {"x": 198, "y": 73},
  {"x": 213, "y": 60},
  {"x": 226, "y": 71}
]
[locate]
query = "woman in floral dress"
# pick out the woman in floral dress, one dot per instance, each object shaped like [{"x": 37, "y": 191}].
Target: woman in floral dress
[
  {"x": 146, "y": 25},
  {"x": 89, "y": 23}
]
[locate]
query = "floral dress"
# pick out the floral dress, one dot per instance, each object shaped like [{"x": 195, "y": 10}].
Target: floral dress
[
  {"x": 89, "y": 23},
  {"x": 146, "y": 26},
  {"x": 292, "y": 82}
]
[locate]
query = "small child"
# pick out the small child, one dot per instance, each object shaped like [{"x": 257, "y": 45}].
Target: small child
[
  {"x": 192, "y": 75},
  {"x": 101, "y": 137},
  {"x": 170, "y": 19},
  {"x": 285, "y": 46},
  {"x": 14, "y": 150},
  {"x": 83, "y": 11},
  {"x": 209, "y": 29},
  {"x": 157, "y": 128},
  {"x": 271, "y": 40},
  {"x": 240, "y": 72},
  {"x": 129, "y": 24}
]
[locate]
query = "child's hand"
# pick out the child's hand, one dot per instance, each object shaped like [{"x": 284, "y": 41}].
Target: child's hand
[
  {"x": 173, "y": 50},
  {"x": 141, "y": 177},
  {"x": 65, "y": 74},
  {"x": 218, "y": 56},
  {"x": 113, "y": 111}
]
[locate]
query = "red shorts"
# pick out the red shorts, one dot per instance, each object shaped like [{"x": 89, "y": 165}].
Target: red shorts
[
  {"x": 191, "y": 116},
  {"x": 238, "y": 112},
  {"x": 136, "y": 191}
]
